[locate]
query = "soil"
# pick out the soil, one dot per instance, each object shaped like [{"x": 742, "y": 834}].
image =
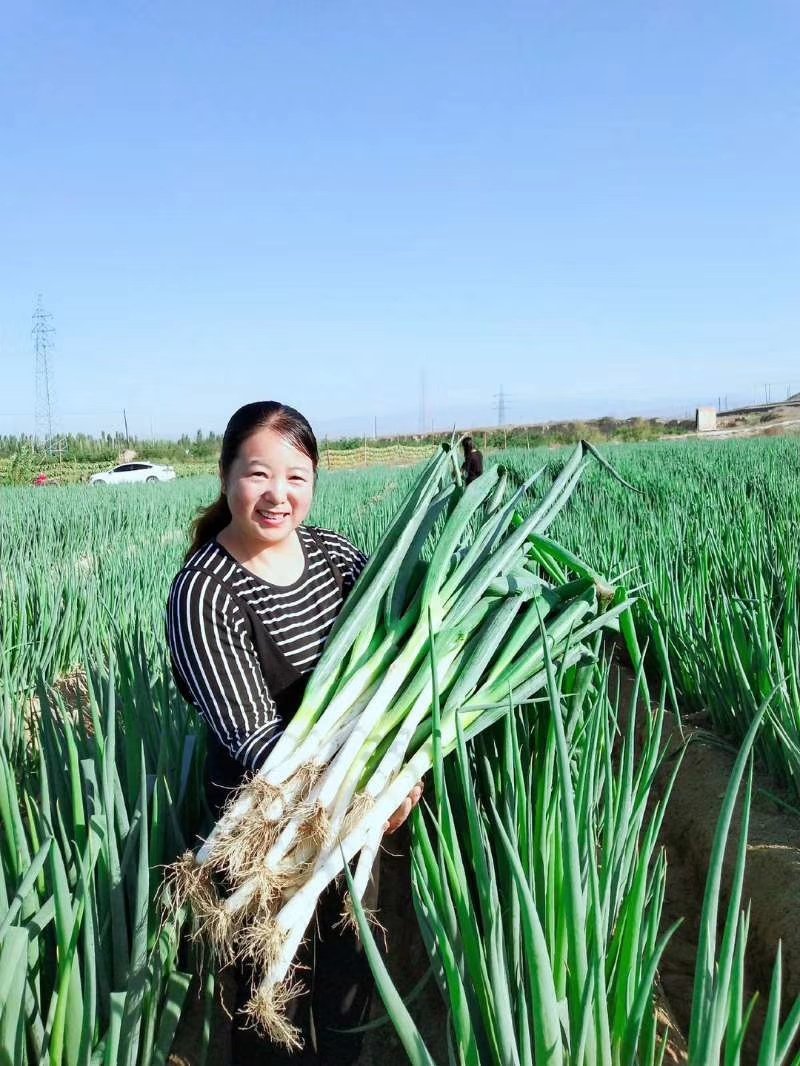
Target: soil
[
  {"x": 73, "y": 690},
  {"x": 772, "y": 875}
]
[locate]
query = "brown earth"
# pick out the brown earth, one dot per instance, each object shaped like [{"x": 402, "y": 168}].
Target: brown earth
[
  {"x": 772, "y": 875},
  {"x": 72, "y": 690}
]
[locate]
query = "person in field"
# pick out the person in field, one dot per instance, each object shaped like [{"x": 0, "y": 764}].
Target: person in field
[
  {"x": 247, "y": 619},
  {"x": 473, "y": 460}
]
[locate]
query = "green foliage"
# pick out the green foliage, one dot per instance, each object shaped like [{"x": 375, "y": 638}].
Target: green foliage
[
  {"x": 106, "y": 448},
  {"x": 23, "y": 466},
  {"x": 90, "y": 815},
  {"x": 539, "y": 886},
  {"x": 541, "y": 921},
  {"x": 710, "y": 543}
]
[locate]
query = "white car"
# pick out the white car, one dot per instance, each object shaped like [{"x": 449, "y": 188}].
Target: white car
[{"x": 126, "y": 472}]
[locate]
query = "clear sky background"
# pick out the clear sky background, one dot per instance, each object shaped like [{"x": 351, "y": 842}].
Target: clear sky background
[{"x": 596, "y": 206}]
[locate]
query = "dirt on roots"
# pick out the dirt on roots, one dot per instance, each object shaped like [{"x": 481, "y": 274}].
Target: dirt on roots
[{"x": 406, "y": 960}]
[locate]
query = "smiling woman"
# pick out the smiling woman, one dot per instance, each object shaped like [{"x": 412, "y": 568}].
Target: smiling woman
[
  {"x": 247, "y": 619},
  {"x": 269, "y": 489}
]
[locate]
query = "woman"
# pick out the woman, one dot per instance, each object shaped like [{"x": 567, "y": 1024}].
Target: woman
[
  {"x": 472, "y": 466},
  {"x": 247, "y": 619}
]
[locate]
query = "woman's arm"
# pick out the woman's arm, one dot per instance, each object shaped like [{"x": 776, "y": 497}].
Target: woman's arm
[{"x": 213, "y": 652}]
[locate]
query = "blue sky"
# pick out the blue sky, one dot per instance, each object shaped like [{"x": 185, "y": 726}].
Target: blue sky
[{"x": 594, "y": 206}]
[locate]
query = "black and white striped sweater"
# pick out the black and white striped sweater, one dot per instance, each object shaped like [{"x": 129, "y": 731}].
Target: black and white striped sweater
[{"x": 213, "y": 654}]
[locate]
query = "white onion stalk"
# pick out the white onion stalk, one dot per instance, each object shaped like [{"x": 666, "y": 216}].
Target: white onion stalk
[
  {"x": 345, "y": 770},
  {"x": 341, "y": 800},
  {"x": 287, "y": 776},
  {"x": 325, "y": 751},
  {"x": 392, "y": 681},
  {"x": 282, "y": 760},
  {"x": 364, "y": 868},
  {"x": 292, "y": 921},
  {"x": 337, "y": 769},
  {"x": 520, "y": 679}
]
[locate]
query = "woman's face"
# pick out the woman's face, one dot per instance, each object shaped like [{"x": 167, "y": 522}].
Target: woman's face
[{"x": 269, "y": 488}]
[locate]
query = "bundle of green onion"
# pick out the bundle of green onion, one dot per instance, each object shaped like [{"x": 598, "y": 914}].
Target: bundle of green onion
[{"x": 456, "y": 604}]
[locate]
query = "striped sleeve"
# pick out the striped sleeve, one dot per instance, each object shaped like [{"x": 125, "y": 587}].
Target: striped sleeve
[{"x": 212, "y": 650}]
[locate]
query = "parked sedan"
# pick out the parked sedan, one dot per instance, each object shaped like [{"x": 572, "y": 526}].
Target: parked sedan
[{"x": 121, "y": 475}]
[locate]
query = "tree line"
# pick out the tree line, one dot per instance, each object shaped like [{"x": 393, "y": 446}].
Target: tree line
[{"x": 204, "y": 446}]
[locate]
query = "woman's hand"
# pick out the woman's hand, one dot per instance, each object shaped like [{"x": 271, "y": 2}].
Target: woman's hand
[{"x": 405, "y": 808}]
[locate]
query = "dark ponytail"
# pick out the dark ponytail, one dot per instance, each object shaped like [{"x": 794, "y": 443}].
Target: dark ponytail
[
  {"x": 286, "y": 421},
  {"x": 208, "y": 522}
]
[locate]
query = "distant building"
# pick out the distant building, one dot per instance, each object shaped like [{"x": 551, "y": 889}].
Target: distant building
[{"x": 705, "y": 419}]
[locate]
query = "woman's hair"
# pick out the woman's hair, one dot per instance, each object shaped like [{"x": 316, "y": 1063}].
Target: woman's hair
[
  {"x": 468, "y": 445},
  {"x": 289, "y": 423}
]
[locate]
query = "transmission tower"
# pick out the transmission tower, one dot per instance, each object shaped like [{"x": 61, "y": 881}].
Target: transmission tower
[
  {"x": 43, "y": 354},
  {"x": 501, "y": 406},
  {"x": 423, "y": 411}
]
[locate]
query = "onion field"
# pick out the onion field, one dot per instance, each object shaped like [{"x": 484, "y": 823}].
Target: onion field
[{"x": 545, "y": 859}]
